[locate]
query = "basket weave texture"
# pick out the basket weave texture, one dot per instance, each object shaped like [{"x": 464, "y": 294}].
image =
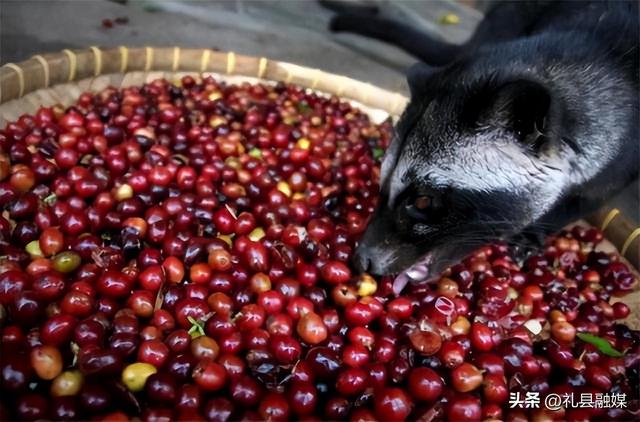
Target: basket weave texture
[{"x": 60, "y": 78}]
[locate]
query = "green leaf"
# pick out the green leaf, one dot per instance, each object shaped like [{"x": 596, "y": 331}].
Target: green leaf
[
  {"x": 197, "y": 328},
  {"x": 377, "y": 153},
  {"x": 601, "y": 344},
  {"x": 51, "y": 199}
]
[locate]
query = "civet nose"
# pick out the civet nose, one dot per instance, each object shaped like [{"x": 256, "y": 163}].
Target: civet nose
[{"x": 361, "y": 259}]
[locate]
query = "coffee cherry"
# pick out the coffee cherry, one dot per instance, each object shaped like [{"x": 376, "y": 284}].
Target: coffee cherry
[
  {"x": 303, "y": 398},
  {"x": 245, "y": 391},
  {"x": 161, "y": 388},
  {"x": 451, "y": 354},
  {"x": 274, "y": 407},
  {"x": 598, "y": 377},
  {"x": 96, "y": 361},
  {"x": 311, "y": 328},
  {"x": 187, "y": 247},
  {"x": 464, "y": 407},
  {"x": 355, "y": 355},
  {"x": 621, "y": 310},
  {"x": 209, "y": 376},
  {"x": 46, "y": 361},
  {"x": 335, "y": 272},
  {"x": 351, "y": 381},
  {"x": 152, "y": 278},
  {"x": 481, "y": 337},
  {"x": 66, "y": 262},
  {"x": 153, "y": 352},
  {"x": 31, "y": 406},
  {"x": 393, "y": 404},
  {"x": 51, "y": 241},
  {"x": 218, "y": 409},
  {"x": 563, "y": 331},
  {"x": 114, "y": 284},
  {"x": 204, "y": 347},
  {"x": 425, "y": 384},
  {"x": 466, "y": 377},
  {"x": 135, "y": 375},
  {"x": 344, "y": 295},
  {"x": 68, "y": 383},
  {"x": 220, "y": 260},
  {"x": 495, "y": 388},
  {"x": 425, "y": 342}
]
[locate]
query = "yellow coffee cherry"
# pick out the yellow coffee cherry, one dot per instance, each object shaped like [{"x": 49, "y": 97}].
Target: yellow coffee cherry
[
  {"x": 135, "y": 376},
  {"x": 366, "y": 285},
  {"x": 226, "y": 238},
  {"x": 303, "y": 143},
  {"x": 256, "y": 234},
  {"x": 284, "y": 188},
  {"x": 68, "y": 383}
]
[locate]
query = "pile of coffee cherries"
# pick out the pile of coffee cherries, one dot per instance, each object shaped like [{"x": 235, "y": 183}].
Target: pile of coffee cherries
[{"x": 180, "y": 251}]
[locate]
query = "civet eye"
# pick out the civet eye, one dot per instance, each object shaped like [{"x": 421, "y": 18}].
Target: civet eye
[
  {"x": 422, "y": 203},
  {"x": 417, "y": 207}
]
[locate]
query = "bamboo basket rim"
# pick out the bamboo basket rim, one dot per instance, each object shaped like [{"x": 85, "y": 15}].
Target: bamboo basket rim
[
  {"x": 23, "y": 87},
  {"x": 47, "y": 70}
]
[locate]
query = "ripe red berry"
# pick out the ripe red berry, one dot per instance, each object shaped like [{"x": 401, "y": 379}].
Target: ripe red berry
[
  {"x": 335, "y": 272},
  {"x": 425, "y": 384},
  {"x": 481, "y": 337},
  {"x": 392, "y": 404},
  {"x": 464, "y": 408},
  {"x": 451, "y": 354},
  {"x": 46, "y": 361},
  {"x": 274, "y": 407},
  {"x": 311, "y": 328},
  {"x": 303, "y": 397},
  {"x": 205, "y": 230},
  {"x": 351, "y": 381},
  {"x": 209, "y": 376},
  {"x": 495, "y": 388},
  {"x": 153, "y": 352}
]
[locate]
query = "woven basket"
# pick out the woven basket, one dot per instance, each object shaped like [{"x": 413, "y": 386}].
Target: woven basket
[{"x": 49, "y": 79}]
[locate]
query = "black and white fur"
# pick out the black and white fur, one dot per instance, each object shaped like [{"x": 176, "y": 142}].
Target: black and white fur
[{"x": 530, "y": 124}]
